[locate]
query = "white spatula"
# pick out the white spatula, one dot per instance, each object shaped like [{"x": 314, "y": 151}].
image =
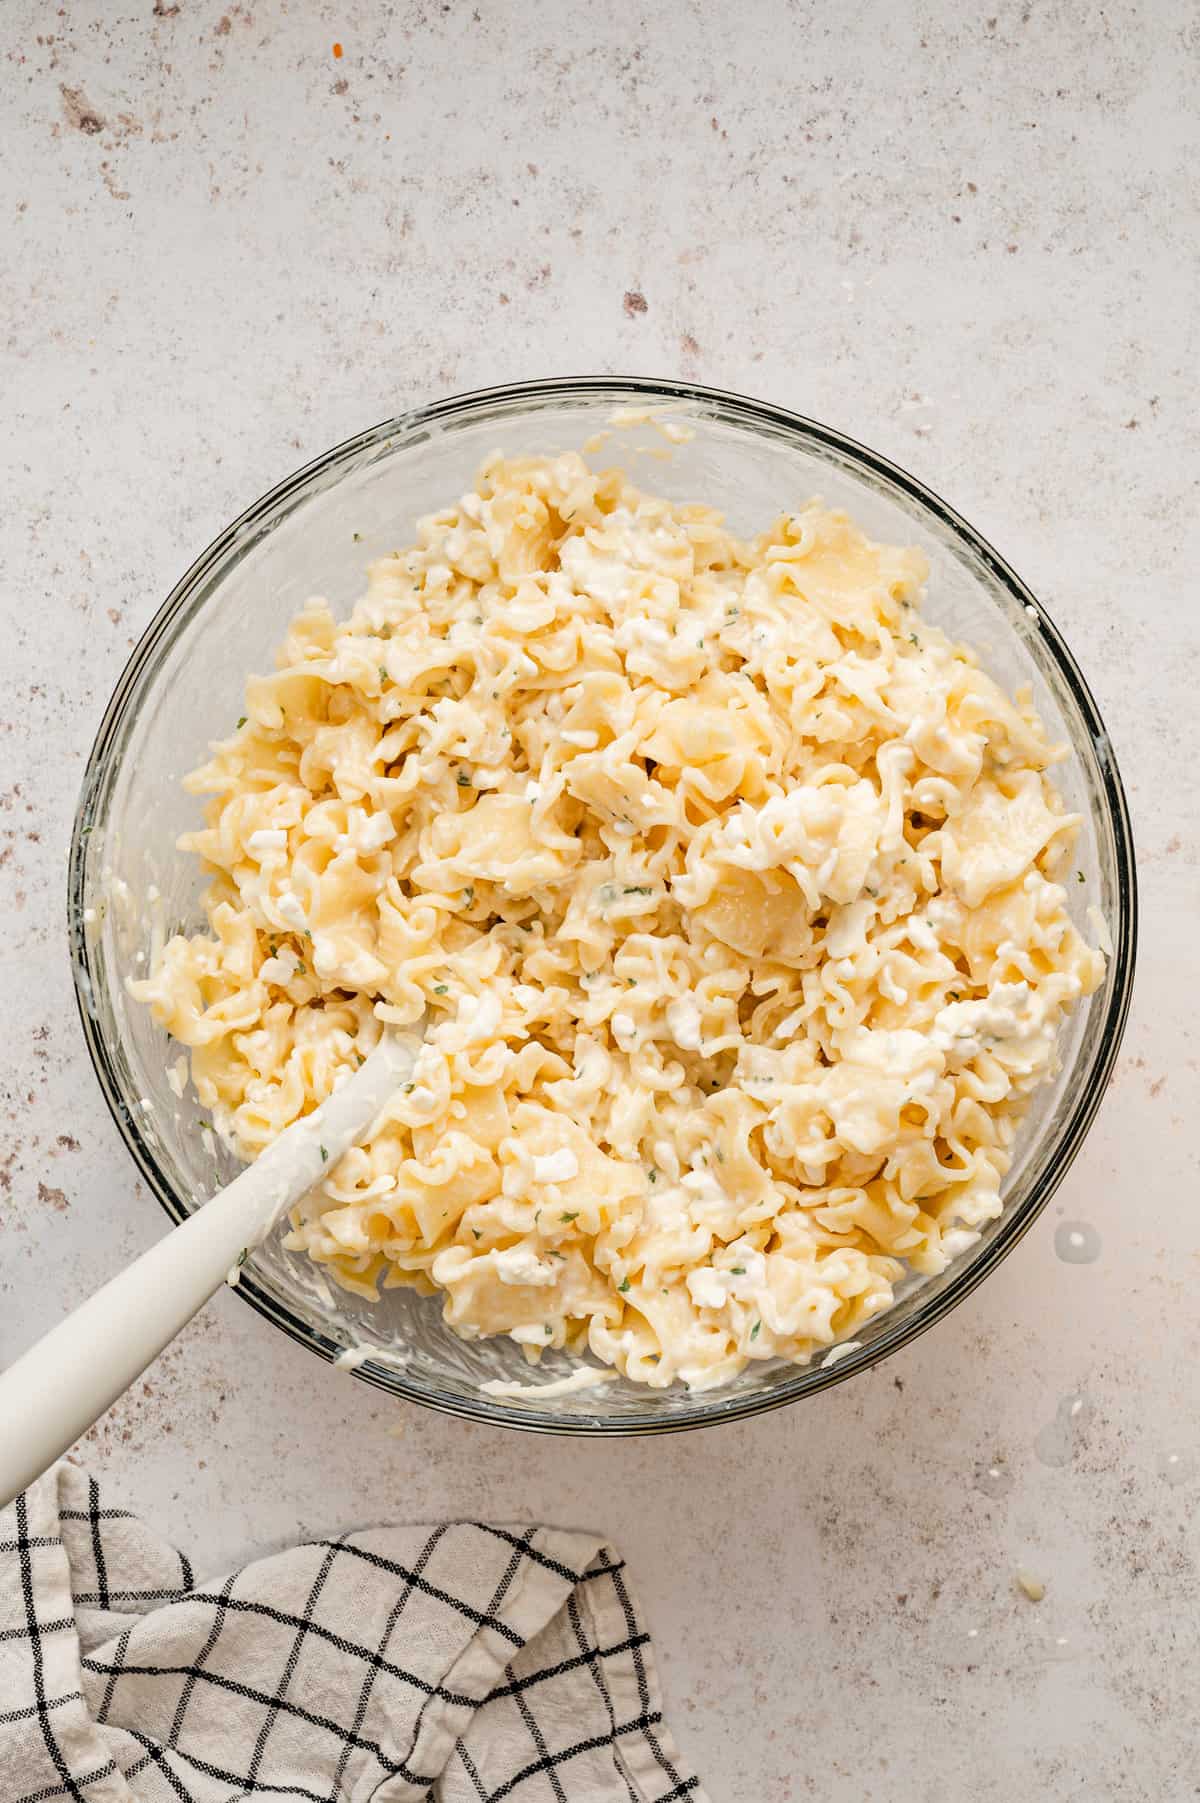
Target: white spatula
[{"x": 56, "y": 1390}]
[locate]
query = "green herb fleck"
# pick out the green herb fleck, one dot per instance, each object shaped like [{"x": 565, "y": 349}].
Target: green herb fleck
[
  {"x": 301, "y": 968},
  {"x": 324, "y": 1155},
  {"x": 241, "y": 722},
  {"x": 477, "y": 1232},
  {"x": 914, "y": 640},
  {"x": 357, "y": 537},
  {"x": 1079, "y": 877},
  {"x": 573, "y": 1216},
  {"x": 652, "y": 1173},
  {"x": 441, "y": 988},
  {"x": 638, "y": 889},
  {"x": 738, "y": 1270},
  {"x": 754, "y": 1330},
  {"x": 464, "y": 780},
  {"x": 559, "y": 1255},
  {"x": 383, "y": 675},
  {"x": 623, "y": 1285},
  {"x": 549, "y": 1331},
  {"x": 408, "y": 1088},
  {"x": 242, "y": 1256}
]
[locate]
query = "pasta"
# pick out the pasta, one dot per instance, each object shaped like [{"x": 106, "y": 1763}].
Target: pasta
[{"x": 729, "y": 889}]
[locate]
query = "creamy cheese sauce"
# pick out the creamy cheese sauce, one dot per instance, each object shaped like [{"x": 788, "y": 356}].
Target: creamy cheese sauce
[{"x": 729, "y": 889}]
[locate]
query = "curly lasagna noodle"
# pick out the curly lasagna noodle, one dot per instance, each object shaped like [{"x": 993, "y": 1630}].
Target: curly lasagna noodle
[{"x": 728, "y": 889}]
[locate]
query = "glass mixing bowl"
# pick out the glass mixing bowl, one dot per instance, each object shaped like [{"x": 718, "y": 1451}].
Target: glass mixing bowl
[{"x": 314, "y": 534}]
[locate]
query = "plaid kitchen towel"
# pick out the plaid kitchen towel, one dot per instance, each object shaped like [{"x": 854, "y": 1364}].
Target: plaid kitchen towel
[{"x": 460, "y": 1663}]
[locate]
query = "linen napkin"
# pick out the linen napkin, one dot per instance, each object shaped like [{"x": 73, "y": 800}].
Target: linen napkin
[{"x": 455, "y": 1663}]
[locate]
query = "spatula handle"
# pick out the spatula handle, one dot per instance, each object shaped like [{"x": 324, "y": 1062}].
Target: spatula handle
[
  {"x": 64, "y": 1383},
  {"x": 56, "y": 1390}
]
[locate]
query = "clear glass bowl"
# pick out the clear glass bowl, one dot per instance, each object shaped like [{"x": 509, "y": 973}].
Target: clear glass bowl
[{"x": 313, "y": 534}]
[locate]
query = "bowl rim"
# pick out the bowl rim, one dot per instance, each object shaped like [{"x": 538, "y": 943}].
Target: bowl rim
[{"x": 747, "y": 411}]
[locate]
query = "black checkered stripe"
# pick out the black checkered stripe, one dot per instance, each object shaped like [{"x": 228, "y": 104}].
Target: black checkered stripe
[{"x": 461, "y": 1663}]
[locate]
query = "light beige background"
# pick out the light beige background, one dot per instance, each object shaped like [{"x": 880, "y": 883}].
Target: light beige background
[{"x": 968, "y": 240}]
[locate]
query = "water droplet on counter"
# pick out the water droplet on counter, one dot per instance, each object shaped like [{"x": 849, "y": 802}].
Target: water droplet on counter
[
  {"x": 1057, "y": 1442},
  {"x": 993, "y": 1480},
  {"x": 1176, "y": 1469},
  {"x": 1076, "y": 1243}
]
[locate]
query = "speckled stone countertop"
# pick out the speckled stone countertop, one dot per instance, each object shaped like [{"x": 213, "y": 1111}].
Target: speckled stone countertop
[{"x": 968, "y": 241}]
